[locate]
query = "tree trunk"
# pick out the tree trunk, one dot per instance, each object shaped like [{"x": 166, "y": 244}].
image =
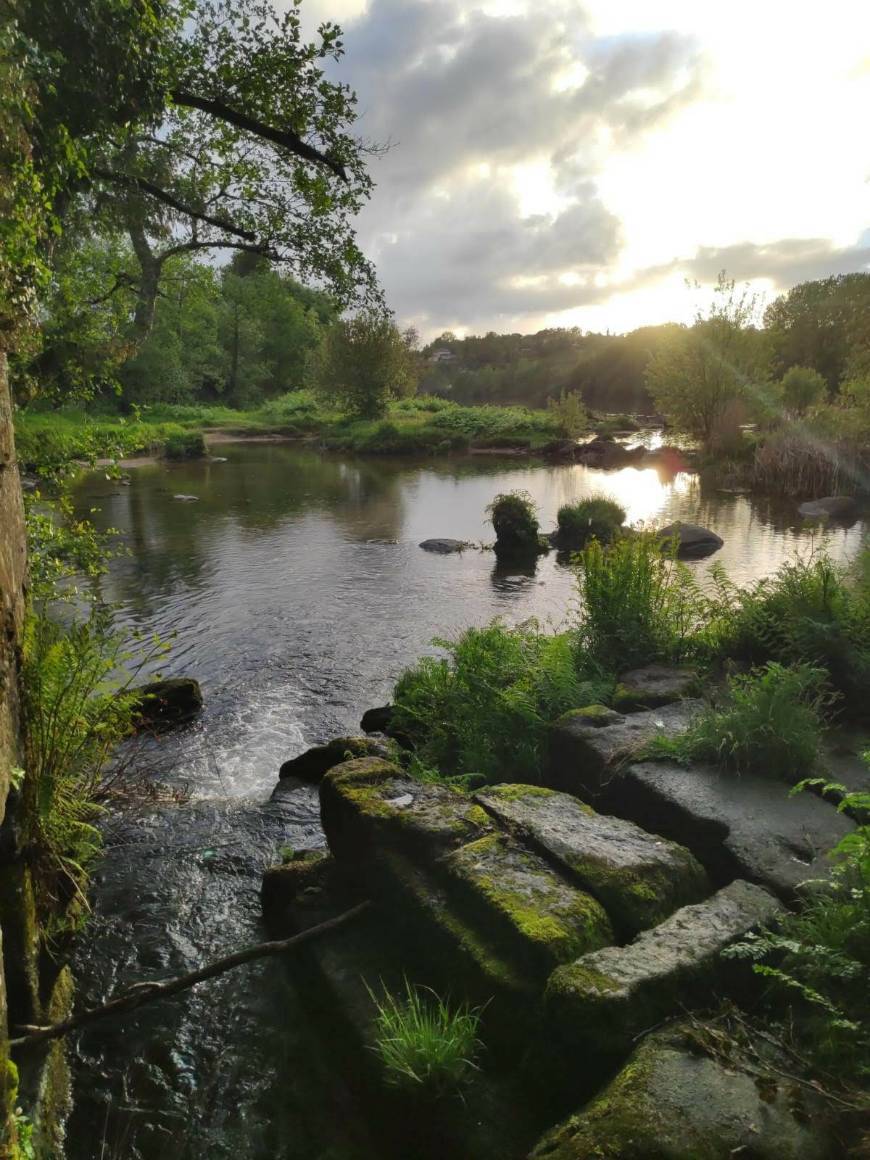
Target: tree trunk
[{"x": 149, "y": 283}]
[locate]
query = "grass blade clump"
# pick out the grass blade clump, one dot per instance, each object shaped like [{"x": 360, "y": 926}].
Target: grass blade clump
[
  {"x": 772, "y": 725},
  {"x": 597, "y": 517},
  {"x": 425, "y": 1044},
  {"x": 515, "y": 520}
]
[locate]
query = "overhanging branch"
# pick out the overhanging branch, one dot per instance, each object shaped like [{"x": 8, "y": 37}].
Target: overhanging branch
[{"x": 285, "y": 138}]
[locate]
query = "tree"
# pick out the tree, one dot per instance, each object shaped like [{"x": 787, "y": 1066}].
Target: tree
[
  {"x": 802, "y": 388},
  {"x": 704, "y": 376},
  {"x": 363, "y": 363}
]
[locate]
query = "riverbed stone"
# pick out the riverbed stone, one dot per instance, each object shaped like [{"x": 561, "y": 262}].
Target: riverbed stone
[
  {"x": 368, "y": 804},
  {"x": 586, "y": 750},
  {"x": 377, "y": 720},
  {"x": 655, "y": 685},
  {"x": 747, "y": 826},
  {"x": 608, "y": 996},
  {"x": 673, "y": 1101},
  {"x": 639, "y": 878},
  {"x": 314, "y": 763},
  {"x": 444, "y": 546},
  {"x": 537, "y": 917},
  {"x": 169, "y": 702},
  {"x": 692, "y": 540},
  {"x": 830, "y": 506}
]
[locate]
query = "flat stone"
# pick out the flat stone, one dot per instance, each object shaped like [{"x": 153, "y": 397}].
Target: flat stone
[
  {"x": 314, "y": 763},
  {"x": 653, "y": 686},
  {"x": 368, "y": 804},
  {"x": 608, "y": 996},
  {"x": 692, "y": 540},
  {"x": 673, "y": 1100},
  {"x": 584, "y": 754},
  {"x": 831, "y": 506},
  {"x": 444, "y": 546},
  {"x": 747, "y": 826},
  {"x": 637, "y": 877},
  {"x": 534, "y": 915}
]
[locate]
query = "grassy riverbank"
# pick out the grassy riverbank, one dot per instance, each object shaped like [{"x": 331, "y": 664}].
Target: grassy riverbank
[{"x": 46, "y": 440}]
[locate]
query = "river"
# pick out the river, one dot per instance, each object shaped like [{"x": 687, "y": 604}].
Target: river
[{"x": 295, "y": 592}]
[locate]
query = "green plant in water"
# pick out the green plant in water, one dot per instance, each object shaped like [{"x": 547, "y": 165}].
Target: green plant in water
[
  {"x": 772, "y": 724},
  {"x": 596, "y": 517},
  {"x": 515, "y": 521},
  {"x": 425, "y": 1044},
  {"x": 185, "y": 445},
  {"x": 638, "y": 604}
]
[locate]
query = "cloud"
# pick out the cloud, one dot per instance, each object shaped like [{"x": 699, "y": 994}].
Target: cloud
[{"x": 785, "y": 262}]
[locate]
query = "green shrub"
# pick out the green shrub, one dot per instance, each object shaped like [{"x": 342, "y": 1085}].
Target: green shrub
[
  {"x": 772, "y": 725},
  {"x": 812, "y": 611},
  {"x": 637, "y": 604},
  {"x": 802, "y": 388},
  {"x": 570, "y": 414},
  {"x": 516, "y": 525},
  {"x": 485, "y": 709},
  {"x": 425, "y": 1044},
  {"x": 185, "y": 445},
  {"x": 596, "y": 517}
]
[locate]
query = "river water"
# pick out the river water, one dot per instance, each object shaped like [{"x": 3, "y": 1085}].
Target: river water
[{"x": 295, "y": 592}]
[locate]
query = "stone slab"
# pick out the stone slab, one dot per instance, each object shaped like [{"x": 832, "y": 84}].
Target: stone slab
[{"x": 654, "y": 685}]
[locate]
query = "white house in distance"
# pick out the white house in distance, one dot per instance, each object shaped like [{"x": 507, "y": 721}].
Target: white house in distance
[{"x": 443, "y": 355}]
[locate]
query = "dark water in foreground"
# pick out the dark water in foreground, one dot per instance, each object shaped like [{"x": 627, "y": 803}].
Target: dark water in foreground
[{"x": 298, "y": 593}]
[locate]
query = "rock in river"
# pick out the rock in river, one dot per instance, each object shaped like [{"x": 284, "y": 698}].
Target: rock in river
[
  {"x": 314, "y": 763},
  {"x": 167, "y": 702},
  {"x": 444, "y": 546},
  {"x": 832, "y": 506},
  {"x": 692, "y": 540}
]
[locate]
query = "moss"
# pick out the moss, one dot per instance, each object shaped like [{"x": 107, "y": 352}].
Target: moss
[{"x": 515, "y": 793}]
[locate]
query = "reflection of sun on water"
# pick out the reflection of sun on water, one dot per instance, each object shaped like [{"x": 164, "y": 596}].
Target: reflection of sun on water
[{"x": 641, "y": 492}]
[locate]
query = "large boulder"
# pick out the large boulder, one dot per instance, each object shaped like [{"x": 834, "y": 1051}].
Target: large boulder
[
  {"x": 830, "y": 507},
  {"x": 587, "y": 745},
  {"x": 638, "y": 877},
  {"x": 377, "y": 720},
  {"x": 444, "y": 546},
  {"x": 674, "y": 1101},
  {"x": 748, "y": 826},
  {"x": 692, "y": 540},
  {"x": 161, "y": 704},
  {"x": 606, "y": 997},
  {"x": 655, "y": 685},
  {"x": 314, "y": 763}
]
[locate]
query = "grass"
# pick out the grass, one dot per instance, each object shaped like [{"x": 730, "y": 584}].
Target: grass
[
  {"x": 185, "y": 445},
  {"x": 515, "y": 522},
  {"x": 596, "y": 517},
  {"x": 423, "y": 1043},
  {"x": 772, "y": 725}
]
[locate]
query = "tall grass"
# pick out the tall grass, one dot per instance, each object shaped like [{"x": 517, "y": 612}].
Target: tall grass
[
  {"x": 637, "y": 604},
  {"x": 425, "y": 1044},
  {"x": 596, "y": 517},
  {"x": 772, "y": 725}
]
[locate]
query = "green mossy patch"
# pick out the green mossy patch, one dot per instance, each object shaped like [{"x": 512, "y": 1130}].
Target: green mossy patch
[
  {"x": 591, "y": 715},
  {"x": 513, "y": 793}
]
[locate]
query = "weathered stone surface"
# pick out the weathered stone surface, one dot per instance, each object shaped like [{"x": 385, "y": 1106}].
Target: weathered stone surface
[
  {"x": 653, "y": 686},
  {"x": 535, "y": 916},
  {"x": 606, "y": 997},
  {"x": 831, "y": 506},
  {"x": 746, "y": 826},
  {"x": 317, "y": 761},
  {"x": 692, "y": 540},
  {"x": 307, "y": 871},
  {"x": 673, "y": 1102},
  {"x": 638, "y": 877},
  {"x": 444, "y": 546},
  {"x": 168, "y": 702},
  {"x": 584, "y": 753},
  {"x": 369, "y": 804}
]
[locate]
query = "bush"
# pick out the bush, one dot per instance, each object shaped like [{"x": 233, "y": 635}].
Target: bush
[
  {"x": 423, "y": 1043},
  {"x": 771, "y": 726},
  {"x": 516, "y": 525},
  {"x": 802, "y": 388},
  {"x": 485, "y": 709},
  {"x": 570, "y": 414},
  {"x": 638, "y": 605},
  {"x": 185, "y": 445},
  {"x": 597, "y": 517}
]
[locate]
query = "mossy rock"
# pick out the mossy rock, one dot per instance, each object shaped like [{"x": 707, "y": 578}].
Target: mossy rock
[
  {"x": 673, "y": 1102},
  {"x": 369, "y": 804},
  {"x": 308, "y": 871},
  {"x": 522, "y": 904},
  {"x": 597, "y": 715},
  {"x": 655, "y": 685},
  {"x": 638, "y": 878},
  {"x": 21, "y": 942},
  {"x": 314, "y": 763}
]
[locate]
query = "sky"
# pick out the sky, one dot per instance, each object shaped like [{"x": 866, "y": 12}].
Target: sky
[{"x": 559, "y": 163}]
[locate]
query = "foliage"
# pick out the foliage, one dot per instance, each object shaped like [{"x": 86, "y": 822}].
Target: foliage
[
  {"x": 60, "y": 547},
  {"x": 798, "y": 462},
  {"x": 515, "y": 521},
  {"x": 597, "y": 517},
  {"x": 820, "y": 956},
  {"x": 485, "y": 708},
  {"x": 812, "y": 612},
  {"x": 702, "y": 375},
  {"x": 771, "y": 724},
  {"x": 363, "y": 363},
  {"x": 802, "y": 388},
  {"x": 423, "y": 1043},
  {"x": 569, "y": 413},
  {"x": 638, "y": 603},
  {"x": 185, "y": 445}
]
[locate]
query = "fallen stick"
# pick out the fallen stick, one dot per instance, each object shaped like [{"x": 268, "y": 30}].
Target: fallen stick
[{"x": 140, "y": 993}]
